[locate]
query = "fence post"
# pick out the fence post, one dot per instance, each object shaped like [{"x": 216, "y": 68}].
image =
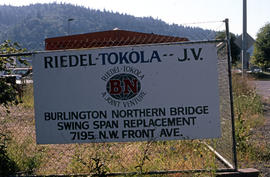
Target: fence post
[{"x": 231, "y": 95}]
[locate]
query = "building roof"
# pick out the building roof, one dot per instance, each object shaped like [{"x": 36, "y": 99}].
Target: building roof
[{"x": 106, "y": 39}]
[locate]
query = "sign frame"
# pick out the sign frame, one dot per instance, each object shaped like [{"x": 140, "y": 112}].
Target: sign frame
[{"x": 173, "y": 94}]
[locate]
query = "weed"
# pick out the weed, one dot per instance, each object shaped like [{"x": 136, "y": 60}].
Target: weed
[
  {"x": 248, "y": 110},
  {"x": 143, "y": 158},
  {"x": 26, "y": 159},
  {"x": 91, "y": 162},
  {"x": 102, "y": 158},
  {"x": 27, "y": 97},
  {"x": 7, "y": 165}
]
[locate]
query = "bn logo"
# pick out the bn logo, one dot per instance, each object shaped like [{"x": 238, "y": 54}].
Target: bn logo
[{"x": 123, "y": 86}]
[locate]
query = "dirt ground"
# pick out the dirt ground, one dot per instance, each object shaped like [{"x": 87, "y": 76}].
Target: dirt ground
[{"x": 263, "y": 89}]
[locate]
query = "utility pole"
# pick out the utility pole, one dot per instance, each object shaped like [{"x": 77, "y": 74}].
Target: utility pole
[{"x": 244, "y": 41}]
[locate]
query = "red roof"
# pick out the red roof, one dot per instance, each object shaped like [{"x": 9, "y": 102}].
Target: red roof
[{"x": 106, "y": 39}]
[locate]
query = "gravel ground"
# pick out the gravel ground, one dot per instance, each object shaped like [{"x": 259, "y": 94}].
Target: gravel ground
[
  {"x": 264, "y": 133},
  {"x": 263, "y": 88}
]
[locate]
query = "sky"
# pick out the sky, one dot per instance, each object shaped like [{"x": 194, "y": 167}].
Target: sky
[{"x": 202, "y": 13}]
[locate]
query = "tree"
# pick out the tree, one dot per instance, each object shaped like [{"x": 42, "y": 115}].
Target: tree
[
  {"x": 262, "y": 48},
  {"x": 7, "y": 95},
  {"x": 8, "y": 92},
  {"x": 235, "y": 50},
  {"x": 29, "y": 25}
]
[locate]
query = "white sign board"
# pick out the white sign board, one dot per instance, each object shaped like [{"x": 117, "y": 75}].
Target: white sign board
[{"x": 133, "y": 93}]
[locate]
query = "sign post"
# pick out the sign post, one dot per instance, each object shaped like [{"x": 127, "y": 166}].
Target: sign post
[{"x": 121, "y": 94}]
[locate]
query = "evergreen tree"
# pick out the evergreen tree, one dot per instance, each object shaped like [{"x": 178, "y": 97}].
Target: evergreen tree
[{"x": 30, "y": 25}]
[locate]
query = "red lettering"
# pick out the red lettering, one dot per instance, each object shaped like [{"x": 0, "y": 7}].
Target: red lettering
[
  {"x": 115, "y": 87},
  {"x": 133, "y": 86}
]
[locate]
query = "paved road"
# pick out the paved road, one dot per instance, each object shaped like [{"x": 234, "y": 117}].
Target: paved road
[{"x": 263, "y": 88}]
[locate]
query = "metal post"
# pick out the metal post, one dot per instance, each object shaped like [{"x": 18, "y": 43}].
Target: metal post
[
  {"x": 244, "y": 37},
  {"x": 231, "y": 95}
]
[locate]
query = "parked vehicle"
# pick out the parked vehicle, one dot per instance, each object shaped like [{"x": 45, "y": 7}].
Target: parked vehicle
[
  {"x": 18, "y": 75},
  {"x": 255, "y": 69}
]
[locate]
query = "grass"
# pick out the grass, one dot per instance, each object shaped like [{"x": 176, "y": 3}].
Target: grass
[
  {"x": 97, "y": 158},
  {"x": 248, "y": 110},
  {"x": 21, "y": 153},
  {"x": 139, "y": 157},
  {"x": 27, "y": 97}
]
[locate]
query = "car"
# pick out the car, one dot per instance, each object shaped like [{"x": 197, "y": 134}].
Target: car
[
  {"x": 255, "y": 69},
  {"x": 17, "y": 75}
]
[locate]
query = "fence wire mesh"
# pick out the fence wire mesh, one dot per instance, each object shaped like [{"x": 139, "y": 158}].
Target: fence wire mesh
[
  {"x": 123, "y": 37},
  {"x": 18, "y": 128},
  {"x": 17, "y": 133}
]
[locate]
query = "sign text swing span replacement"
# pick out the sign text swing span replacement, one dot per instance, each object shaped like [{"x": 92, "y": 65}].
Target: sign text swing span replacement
[{"x": 132, "y": 93}]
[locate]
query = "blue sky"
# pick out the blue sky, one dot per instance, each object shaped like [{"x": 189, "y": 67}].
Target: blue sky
[{"x": 186, "y": 12}]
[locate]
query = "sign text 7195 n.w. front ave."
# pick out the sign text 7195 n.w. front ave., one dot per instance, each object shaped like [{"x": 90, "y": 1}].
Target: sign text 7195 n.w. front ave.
[{"x": 132, "y": 93}]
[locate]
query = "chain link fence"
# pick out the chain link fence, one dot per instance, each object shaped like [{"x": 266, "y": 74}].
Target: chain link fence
[{"x": 17, "y": 131}]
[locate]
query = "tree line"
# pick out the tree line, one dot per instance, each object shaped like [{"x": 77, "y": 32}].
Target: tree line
[{"x": 30, "y": 25}]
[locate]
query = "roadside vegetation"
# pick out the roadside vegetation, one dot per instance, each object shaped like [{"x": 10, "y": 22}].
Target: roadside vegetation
[
  {"x": 26, "y": 157},
  {"x": 248, "y": 109},
  {"x": 260, "y": 76},
  {"x": 19, "y": 153}
]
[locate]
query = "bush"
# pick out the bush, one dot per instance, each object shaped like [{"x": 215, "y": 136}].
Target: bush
[
  {"x": 7, "y": 165},
  {"x": 7, "y": 94}
]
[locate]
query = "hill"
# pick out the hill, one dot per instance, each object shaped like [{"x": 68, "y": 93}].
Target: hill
[{"x": 30, "y": 25}]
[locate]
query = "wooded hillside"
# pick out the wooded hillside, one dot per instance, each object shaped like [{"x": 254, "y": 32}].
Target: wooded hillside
[{"x": 30, "y": 25}]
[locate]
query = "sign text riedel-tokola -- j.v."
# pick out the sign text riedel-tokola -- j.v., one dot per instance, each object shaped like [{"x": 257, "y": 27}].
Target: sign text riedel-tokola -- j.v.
[{"x": 132, "y": 93}]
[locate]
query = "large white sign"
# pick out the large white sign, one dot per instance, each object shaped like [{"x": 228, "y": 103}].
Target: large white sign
[{"x": 133, "y": 93}]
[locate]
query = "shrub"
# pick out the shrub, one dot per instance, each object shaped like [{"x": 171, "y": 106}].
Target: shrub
[{"x": 7, "y": 165}]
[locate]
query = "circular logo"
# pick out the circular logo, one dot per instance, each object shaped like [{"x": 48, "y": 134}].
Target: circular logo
[{"x": 123, "y": 86}]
